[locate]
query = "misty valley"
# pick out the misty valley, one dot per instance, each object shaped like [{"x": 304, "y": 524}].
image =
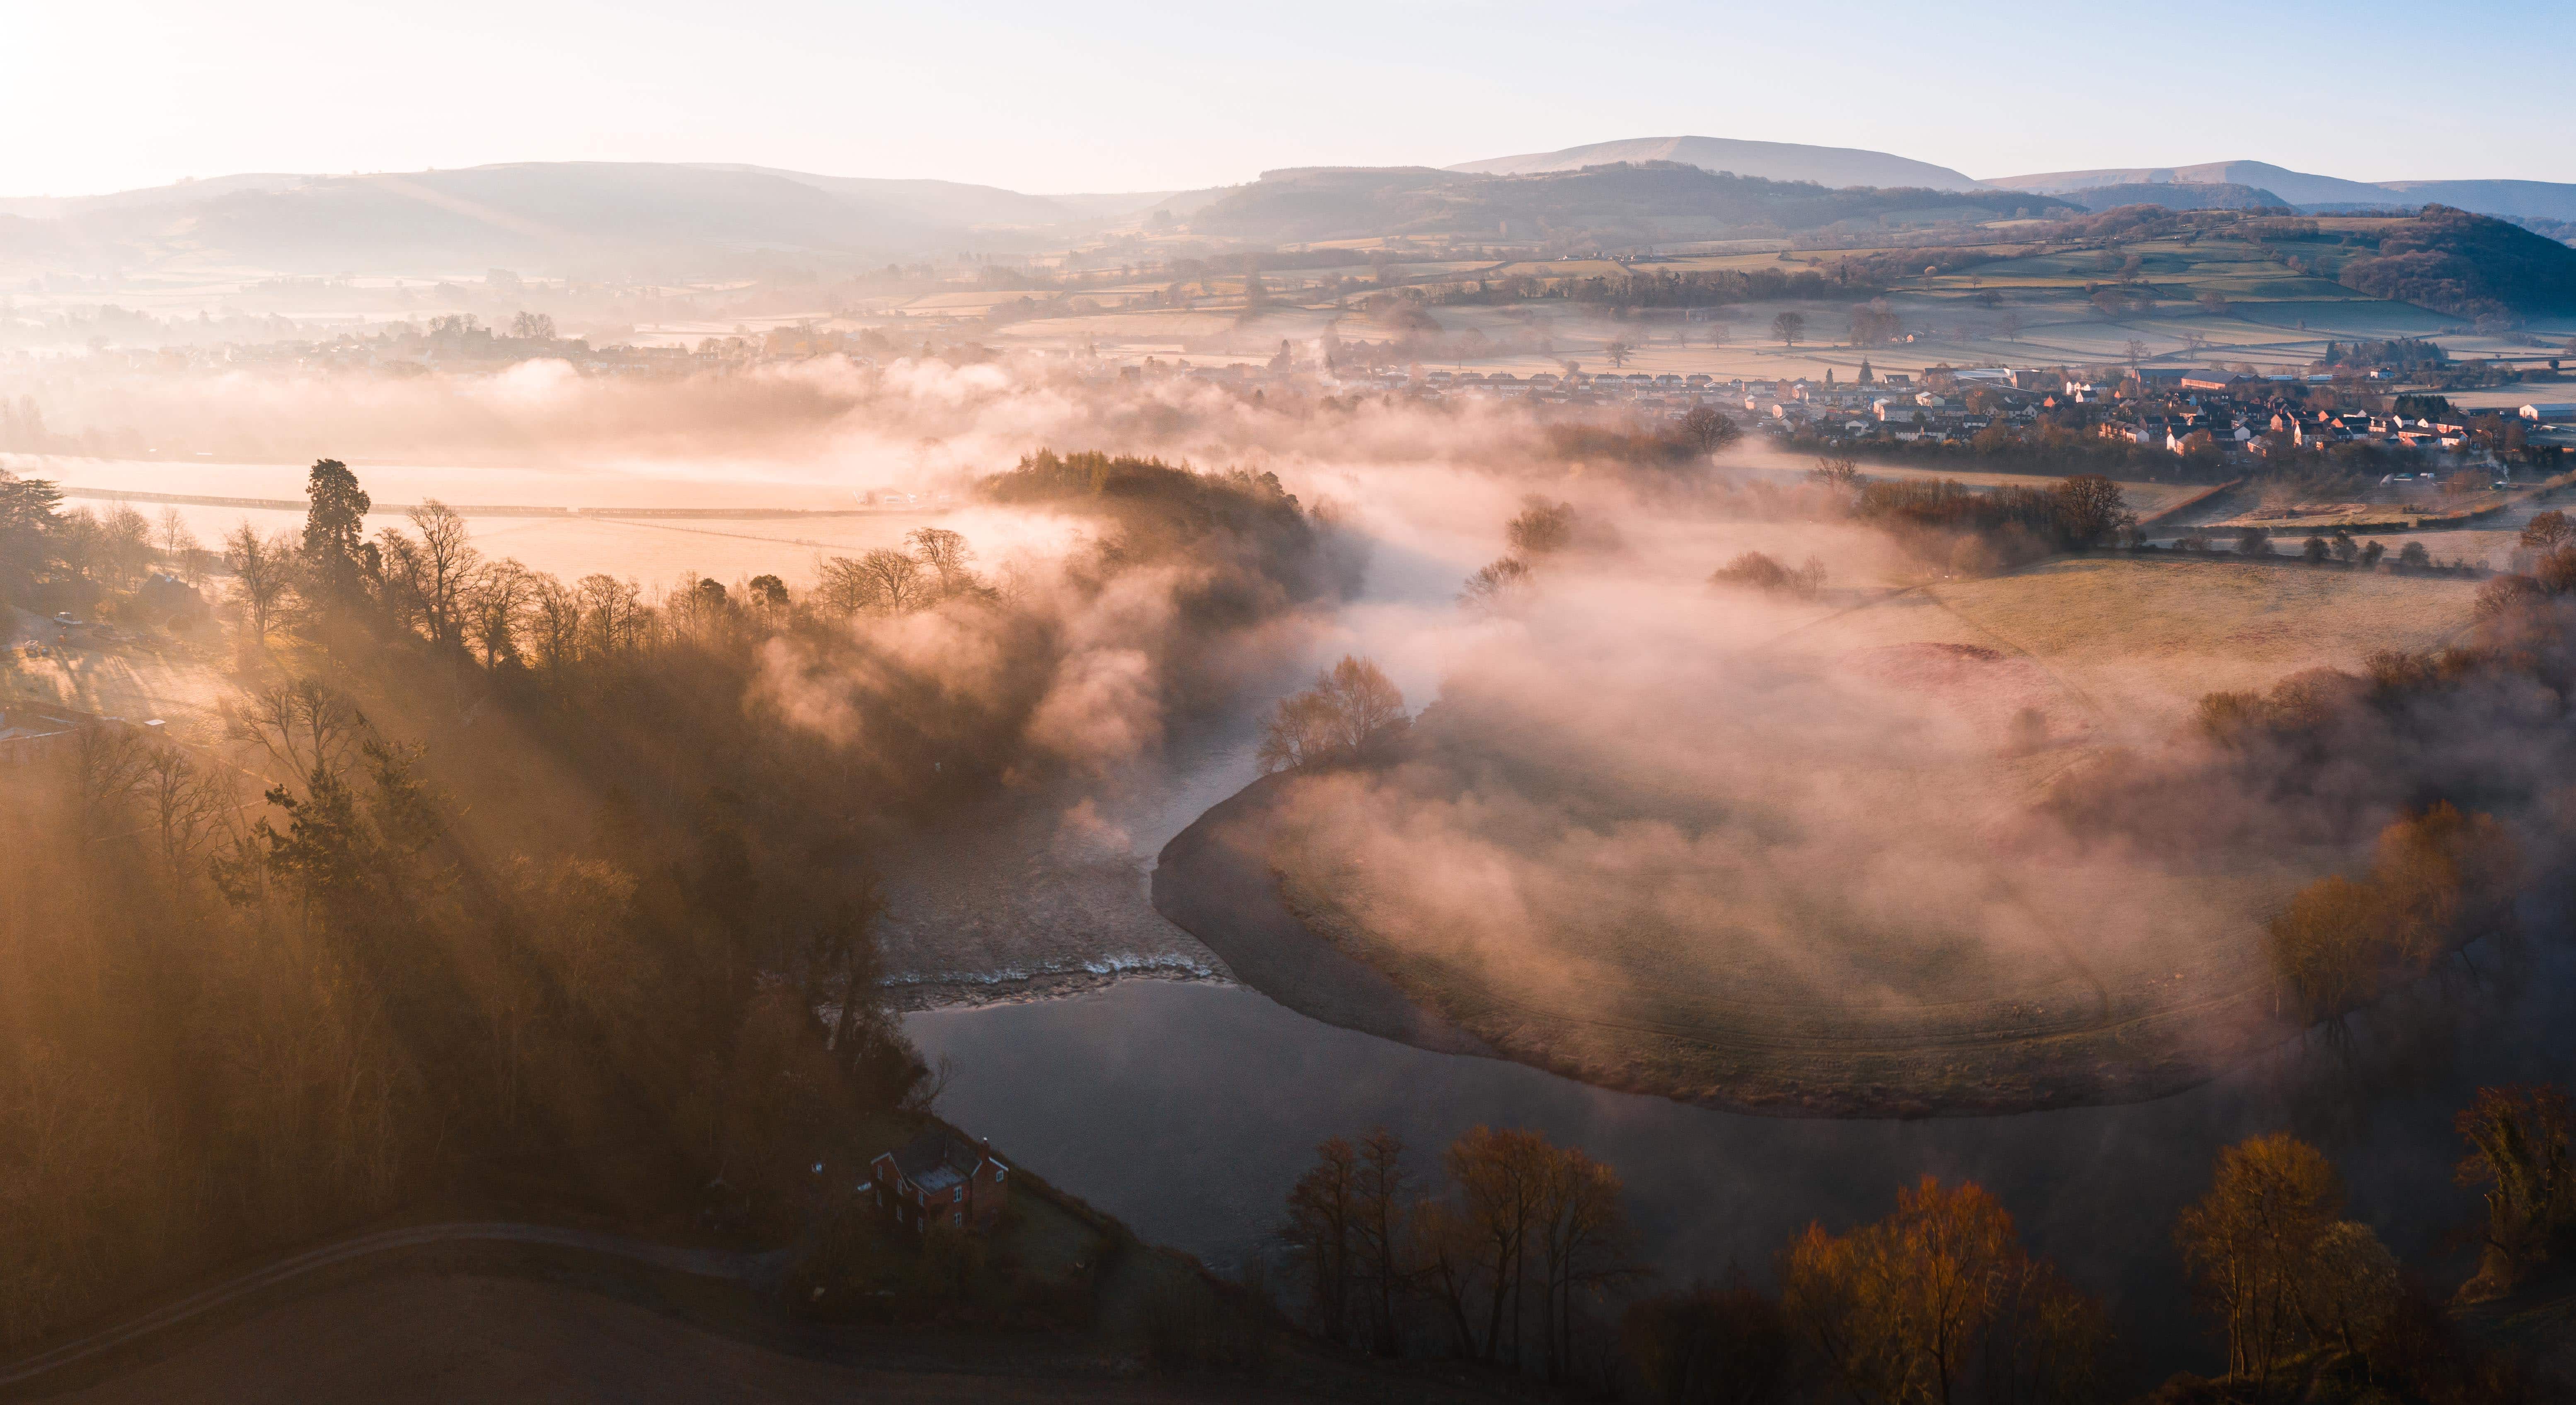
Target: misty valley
[{"x": 1708, "y": 772}]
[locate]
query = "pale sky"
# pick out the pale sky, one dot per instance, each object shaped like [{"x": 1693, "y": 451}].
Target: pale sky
[{"x": 1116, "y": 96}]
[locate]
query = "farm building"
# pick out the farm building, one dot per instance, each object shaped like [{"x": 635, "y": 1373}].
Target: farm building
[{"x": 941, "y": 1176}]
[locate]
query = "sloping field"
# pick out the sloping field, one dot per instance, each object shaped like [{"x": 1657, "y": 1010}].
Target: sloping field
[{"x": 2141, "y": 638}]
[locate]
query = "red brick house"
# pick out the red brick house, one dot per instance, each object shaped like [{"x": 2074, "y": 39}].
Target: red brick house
[{"x": 941, "y": 1177}]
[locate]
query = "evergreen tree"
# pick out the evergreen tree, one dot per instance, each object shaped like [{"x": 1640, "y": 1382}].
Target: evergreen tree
[{"x": 337, "y": 555}]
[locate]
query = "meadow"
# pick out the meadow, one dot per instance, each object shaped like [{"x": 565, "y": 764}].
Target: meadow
[{"x": 1834, "y": 887}]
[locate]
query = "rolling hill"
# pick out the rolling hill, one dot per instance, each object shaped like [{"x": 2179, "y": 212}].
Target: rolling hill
[
  {"x": 2177, "y": 195},
  {"x": 2296, "y": 187},
  {"x": 1603, "y": 204},
  {"x": 1835, "y": 166},
  {"x": 2538, "y": 199}
]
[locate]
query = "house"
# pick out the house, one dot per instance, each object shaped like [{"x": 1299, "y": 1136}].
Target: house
[
  {"x": 941, "y": 1177},
  {"x": 2558, "y": 413}
]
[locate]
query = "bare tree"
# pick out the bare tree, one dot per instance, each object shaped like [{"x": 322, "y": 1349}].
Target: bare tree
[
  {"x": 305, "y": 725},
  {"x": 184, "y": 801},
  {"x": 554, "y": 622},
  {"x": 1500, "y": 586},
  {"x": 178, "y": 545},
  {"x": 1323, "y": 1231},
  {"x": 946, "y": 554},
  {"x": 1788, "y": 327},
  {"x": 446, "y": 565},
  {"x": 612, "y": 614},
  {"x": 263, "y": 571},
  {"x": 496, "y": 602},
  {"x": 884, "y": 582}
]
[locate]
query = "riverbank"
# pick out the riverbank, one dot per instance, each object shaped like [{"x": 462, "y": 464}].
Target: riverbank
[{"x": 1213, "y": 881}]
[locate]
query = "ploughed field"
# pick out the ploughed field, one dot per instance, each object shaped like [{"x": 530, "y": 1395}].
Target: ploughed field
[{"x": 1823, "y": 878}]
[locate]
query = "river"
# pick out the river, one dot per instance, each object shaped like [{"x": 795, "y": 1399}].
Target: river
[{"x": 1187, "y": 1109}]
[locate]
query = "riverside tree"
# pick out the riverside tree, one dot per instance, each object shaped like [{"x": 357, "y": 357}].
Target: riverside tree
[{"x": 1336, "y": 719}]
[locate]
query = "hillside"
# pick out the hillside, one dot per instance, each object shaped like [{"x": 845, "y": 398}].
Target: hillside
[
  {"x": 1656, "y": 199},
  {"x": 543, "y": 215},
  {"x": 1835, "y": 166},
  {"x": 2294, "y": 187},
  {"x": 2457, "y": 262},
  {"x": 2551, "y": 200},
  {"x": 2530, "y": 199},
  {"x": 2173, "y": 196}
]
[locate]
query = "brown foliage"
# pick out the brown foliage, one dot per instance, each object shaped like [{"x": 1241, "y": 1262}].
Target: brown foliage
[
  {"x": 1939, "y": 1295},
  {"x": 2437, "y": 880}
]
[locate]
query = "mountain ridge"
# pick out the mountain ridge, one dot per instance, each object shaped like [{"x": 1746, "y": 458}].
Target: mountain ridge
[{"x": 1832, "y": 166}]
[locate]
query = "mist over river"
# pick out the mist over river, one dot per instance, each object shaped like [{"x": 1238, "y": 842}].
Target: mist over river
[{"x": 1187, "y": 1109}]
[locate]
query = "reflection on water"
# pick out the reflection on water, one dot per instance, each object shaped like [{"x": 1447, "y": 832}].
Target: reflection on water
[{"x": 1187, "y": 1109}]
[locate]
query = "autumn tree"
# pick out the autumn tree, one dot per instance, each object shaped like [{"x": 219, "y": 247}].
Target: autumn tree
[
  {"x": 2518, "y": 1151},
  {"x": 1923, "y": 1305},
  {"x": 2438, "y": 879},
  {"x": 1349, "y": 704},
  {"x": 1542, "y": 528},
  {"x": 1585, "y": 1243},
  {"x": 2548, "y": 531},
  {"x": 2270, "y": 1253}
]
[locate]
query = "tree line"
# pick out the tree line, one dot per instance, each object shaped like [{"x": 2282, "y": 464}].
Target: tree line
[{"x": 1518, "y": 1254}]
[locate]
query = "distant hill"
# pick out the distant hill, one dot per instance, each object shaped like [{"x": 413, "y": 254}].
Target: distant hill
[
  {"x": 1607, "y": 204},
  {"x": 534, "y": 215},
  {"x": 2467, "y": 264},
  {"x": 187, "y": 192},
  {"x": 537, "y": 211},
  {"x": 2548, "y": 200},
  {"x": 2532, "y": 199},
  {"x": 2294, "y": 187},
  {"x": 1835, "y": 166},
  {"x": 2176, "y": 196},
  {"x": 937, "y": 202},
  {"x": 526, "y": 215}
]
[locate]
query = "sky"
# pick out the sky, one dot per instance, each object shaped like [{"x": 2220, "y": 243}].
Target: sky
[{"x": 1119, "y": 96}]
